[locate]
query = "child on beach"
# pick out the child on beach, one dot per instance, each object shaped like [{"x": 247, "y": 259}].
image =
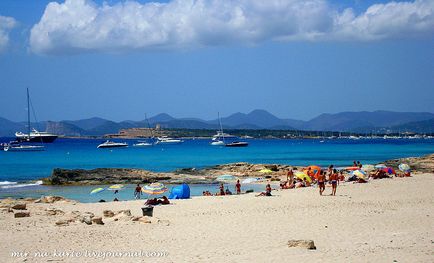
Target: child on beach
[
  {"x": 321, "y": 182},
  {"x": 238, "y": 187},
  {"x": 222, "y": 189},
  {"x": 137, "y": 191},
  {"x": 334, "y": 181}
]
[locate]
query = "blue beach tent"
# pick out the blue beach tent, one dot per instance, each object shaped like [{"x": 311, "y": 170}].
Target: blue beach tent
[{"x": 180, "y": 192}]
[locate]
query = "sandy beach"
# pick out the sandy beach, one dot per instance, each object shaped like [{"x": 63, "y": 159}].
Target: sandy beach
[{"x": 388, "y": 220}]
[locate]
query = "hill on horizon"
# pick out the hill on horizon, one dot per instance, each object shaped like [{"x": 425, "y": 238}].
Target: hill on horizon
[{"x": 362, "y": 121}]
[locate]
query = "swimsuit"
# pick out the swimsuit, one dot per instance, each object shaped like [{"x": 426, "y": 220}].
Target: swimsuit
[{"x": 334, "y": 182}]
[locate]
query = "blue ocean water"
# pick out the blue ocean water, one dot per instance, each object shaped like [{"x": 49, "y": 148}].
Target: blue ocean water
[{"x": 82, "y": 153}]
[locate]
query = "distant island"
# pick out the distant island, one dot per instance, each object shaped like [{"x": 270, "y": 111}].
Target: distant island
[{"x": 258, "y": 124}]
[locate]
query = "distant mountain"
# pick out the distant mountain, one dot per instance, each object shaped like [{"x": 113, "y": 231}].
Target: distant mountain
[
  {"x": 64, "y": 128},
  {"x": 426, "y": 126},
  {"x": 88, "y": 124},
  {"x": 8, "y": 128},
  {"x": 351, "y": 121},
  {"x": 254, "y": 120},
  {"x": 364, "y": 121}
]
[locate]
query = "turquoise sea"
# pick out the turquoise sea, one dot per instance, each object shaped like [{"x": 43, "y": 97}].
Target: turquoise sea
[{"x": 20, "y": 171}]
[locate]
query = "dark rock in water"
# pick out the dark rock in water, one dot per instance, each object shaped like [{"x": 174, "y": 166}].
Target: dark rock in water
[
  {"x": 101, "y": 201},
  {"x": 272, "y": 167},
  {"x": 102, "y": 176}
]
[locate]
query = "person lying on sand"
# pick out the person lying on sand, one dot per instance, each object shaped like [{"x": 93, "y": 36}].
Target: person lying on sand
[
  {"x": 267, "y": 191},
  {"x": 163, "y": 201},
  {"x": 151, "y": 202},
  {"x": 206, "y": 193},
  {"x": 379, "y": 174},
  {"x": 299, "y": 183}
]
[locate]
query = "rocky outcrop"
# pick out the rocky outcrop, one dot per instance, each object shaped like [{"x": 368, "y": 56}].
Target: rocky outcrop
[
  {"x": 19, "y": 206},
  {"x": 309, "y": 244},
  {"x": 187, "y": 175},
  {"x": 21, "y": 214},
  {"x": 102, "y": 176},
  {"x": 423, "y": 164}
]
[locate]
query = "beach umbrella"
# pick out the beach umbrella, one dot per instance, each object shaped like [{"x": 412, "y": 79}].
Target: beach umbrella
[
  {"x": 389, "y": 170},
  {"x": 368, "y": 167},
  {"x": 360, "y": 174},
  {"x": 266, "y": 171},
  {"x": 116, "y": 187},
  {"x": 302, "y": 175},
  {"x": 315, "y": 169},
  {"x": 404, "y": 167},
  {"x": 154, "y": 189},
  {"x": 226, "y": 177},
  {"x": 251, "y": 180},
  {"x": 380, "y": 166},
  {"x": 97, "y": 190}
]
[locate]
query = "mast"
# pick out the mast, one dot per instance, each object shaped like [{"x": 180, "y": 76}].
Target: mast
[
  {"x": 28, "y": 114},
  {"x": 221, "y": 127}
]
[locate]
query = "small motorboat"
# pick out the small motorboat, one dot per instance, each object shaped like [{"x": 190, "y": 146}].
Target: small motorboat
[
  {"x": 110, "y": 144},
  {"x": 142, "y": 144},
  {"x": 237, "y": 144},
  {"x": 167, "y": 140},
  {"x": 218, "y": 143},
  {"x": 15, "y": 146}
]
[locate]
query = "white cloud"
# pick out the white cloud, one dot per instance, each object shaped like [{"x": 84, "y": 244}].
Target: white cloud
[
  {"x": 6, "y": 25},
  {"x": 82, "y": 25}
]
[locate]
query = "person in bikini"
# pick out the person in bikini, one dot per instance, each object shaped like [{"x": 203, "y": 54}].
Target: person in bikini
[
  {"x": 321, "y": 182},
  {"x": 334, "y": 181}
]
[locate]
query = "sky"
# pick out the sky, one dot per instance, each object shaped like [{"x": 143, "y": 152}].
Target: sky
[{"x": 193, "y": 58}]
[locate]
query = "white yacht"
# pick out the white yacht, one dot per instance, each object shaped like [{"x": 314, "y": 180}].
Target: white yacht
[
  {"x": 33, "y": 135},
  {"x": 220, "y": 136},
  {"x": 168, "y": 140},
  {"x": 110, "y": 144}
]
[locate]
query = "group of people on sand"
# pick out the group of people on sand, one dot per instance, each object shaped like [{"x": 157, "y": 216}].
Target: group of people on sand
[
  {"x": 159, "y": 201},
  {"x": 331, "y": 176},
  {"x": 223, "y": 191}
]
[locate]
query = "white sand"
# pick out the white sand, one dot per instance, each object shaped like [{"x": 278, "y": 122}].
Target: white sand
[{"x": 381, "y": 221}]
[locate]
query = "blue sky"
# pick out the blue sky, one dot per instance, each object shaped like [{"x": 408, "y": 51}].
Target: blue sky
[{"x": 194, "y": 62}]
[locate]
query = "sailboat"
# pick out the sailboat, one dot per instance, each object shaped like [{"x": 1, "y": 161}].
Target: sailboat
[
  {"x": 16, "y": 146},
  {"x": 219, "y": 138},
  {"x": 146, "y": 143},
  {"x": 33, "y": 135}
]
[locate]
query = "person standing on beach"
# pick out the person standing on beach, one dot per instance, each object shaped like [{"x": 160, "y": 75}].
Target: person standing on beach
[
  {"x": 321, "y": 182},
  {"x": 290, "y": 176},
  {"x": 222, "y": 189},
  {"x": 334, "y": 181},
  {"x": 137, "y": 191},
  {"x": 238, "y": 187}
]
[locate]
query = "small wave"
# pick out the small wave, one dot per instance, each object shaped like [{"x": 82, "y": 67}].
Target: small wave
[
  {"x": 7, "y": 183},
  {"x": 16, "y": 185}
]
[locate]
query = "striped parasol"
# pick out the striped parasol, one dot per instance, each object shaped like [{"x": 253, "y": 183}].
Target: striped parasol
[
  {"x": 154, "y": 188},
  {"x": 116, "y": 187},
  {"x": 97, "y": 190},
  {"x": 404, "y": 167},
  {"x": 359, "y": 173}
]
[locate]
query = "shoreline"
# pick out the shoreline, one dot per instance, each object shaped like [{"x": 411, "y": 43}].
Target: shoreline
[
  {"x": 207, "y": 175},
  {"x": 387, "y": 217}
]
